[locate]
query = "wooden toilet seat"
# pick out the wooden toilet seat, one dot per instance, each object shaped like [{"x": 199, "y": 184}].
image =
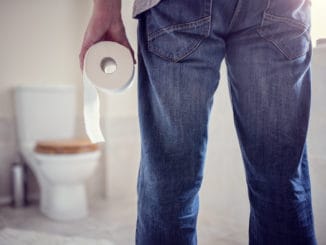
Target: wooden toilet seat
[{"x": 66, "y": 146}]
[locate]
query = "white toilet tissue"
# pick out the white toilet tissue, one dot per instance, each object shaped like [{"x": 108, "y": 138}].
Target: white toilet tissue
[{"x": 108, "y": 67}]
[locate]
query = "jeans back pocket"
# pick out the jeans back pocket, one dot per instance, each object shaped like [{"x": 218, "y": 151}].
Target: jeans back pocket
[
  {"x": 287, "y": 29},
  {"x": 176, "y": 28}
]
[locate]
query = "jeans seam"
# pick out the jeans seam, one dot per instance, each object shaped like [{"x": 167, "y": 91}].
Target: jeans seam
[
  {"x": 208, "y": 8},
  {"x": 235, "y": 14},
  {"x": 190, "y": 50},
  {"x": 182, "y": 26},
  {"x": 170, "y": 57},
  {"x": 292, "y": 22},
  {"x": 280, "y": 49},
  {"x": 287, "y": 20}
]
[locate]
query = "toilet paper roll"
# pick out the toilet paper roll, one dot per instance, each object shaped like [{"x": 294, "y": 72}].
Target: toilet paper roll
[{"x": 108, "y": 67}]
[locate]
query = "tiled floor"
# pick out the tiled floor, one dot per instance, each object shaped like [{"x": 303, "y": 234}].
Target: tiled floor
[{"x": 115, "y": 221}]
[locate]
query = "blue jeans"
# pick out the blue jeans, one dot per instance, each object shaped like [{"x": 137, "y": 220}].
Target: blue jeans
[{"x": 267, "y": 49}]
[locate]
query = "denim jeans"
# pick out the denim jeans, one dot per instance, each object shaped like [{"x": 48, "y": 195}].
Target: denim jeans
[{"x": 267, "y": 49}]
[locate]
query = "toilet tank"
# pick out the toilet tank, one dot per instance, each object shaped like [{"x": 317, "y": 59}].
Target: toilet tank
[{"x": 45, "y": 112}]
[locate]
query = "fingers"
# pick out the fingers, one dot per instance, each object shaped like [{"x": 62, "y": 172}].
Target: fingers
[
  {"x": 125, "y": 42},
  {"x": 98, "y": 31},
  {"x": 95, "y": 31},
  {"x": 82, "y": 54},
  {"x": 88, "y": 43},
  {"x": 84, "y": 50},
  {"x": 85, "y": 46},
  {"x": 120, "y": 37}
]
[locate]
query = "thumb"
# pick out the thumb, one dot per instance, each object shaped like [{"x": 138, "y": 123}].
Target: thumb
[
  {"x": 122, "y": 39},
  {"x": 127, "y": 45}
]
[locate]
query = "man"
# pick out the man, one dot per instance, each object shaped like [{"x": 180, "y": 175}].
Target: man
[{"x": 266, "y": 46}]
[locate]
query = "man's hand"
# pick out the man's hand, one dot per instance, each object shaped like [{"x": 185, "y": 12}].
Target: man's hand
[{"x": 105, "y": 25}]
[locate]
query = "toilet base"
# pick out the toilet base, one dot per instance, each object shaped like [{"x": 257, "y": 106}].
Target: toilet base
[{"x": 65, "y": 202}]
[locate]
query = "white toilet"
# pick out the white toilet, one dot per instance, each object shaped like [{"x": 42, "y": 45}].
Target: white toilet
[{"x": 45, "y": 117}]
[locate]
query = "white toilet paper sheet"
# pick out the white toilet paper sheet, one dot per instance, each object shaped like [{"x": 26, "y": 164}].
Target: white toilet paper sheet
[{"x": 108, "y": 67}]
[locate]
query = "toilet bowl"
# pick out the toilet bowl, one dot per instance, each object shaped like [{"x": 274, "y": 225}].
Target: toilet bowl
[
  {"x": 58, "y": 162},
  {"x": 45, "y": 117}
]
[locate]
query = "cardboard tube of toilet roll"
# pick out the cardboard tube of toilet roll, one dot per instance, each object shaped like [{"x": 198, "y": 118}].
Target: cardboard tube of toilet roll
[{"x": 108, "y": 67}]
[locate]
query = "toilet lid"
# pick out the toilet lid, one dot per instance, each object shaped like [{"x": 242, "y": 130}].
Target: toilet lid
[{"x": 66, "y": 146}]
